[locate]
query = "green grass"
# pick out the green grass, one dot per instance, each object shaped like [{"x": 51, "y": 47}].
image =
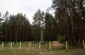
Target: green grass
[
  {"x": 35, "y": 50},
  {"x": 41, "y": 51}
]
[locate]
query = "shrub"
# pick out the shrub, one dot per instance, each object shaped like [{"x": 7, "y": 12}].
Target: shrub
[{"x": 61, "y": 39}]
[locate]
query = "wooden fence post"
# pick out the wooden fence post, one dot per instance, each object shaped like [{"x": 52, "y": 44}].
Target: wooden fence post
[
  {"x": 2, "y": 44},
  {"x": 39, "y": 44},
  {"x": 66, "y": 45},
  {"x": 11, "y": 45},
  {"x": 50, "y": 45},
  {"x": 83, "y": 44},
  {"x": 20, "y": 44},
  {"x": 29, "y": 44}
]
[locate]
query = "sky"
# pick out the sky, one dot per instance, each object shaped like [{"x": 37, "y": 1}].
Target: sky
[{"x": 28, "y": 7}]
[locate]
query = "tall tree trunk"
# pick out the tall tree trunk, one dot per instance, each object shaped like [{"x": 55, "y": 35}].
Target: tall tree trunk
[
  {"x": 10, "y": 35},
  {"x": 71, "y": 15},
  {"x": 41, "y": 36},
  {"x": 6, "y": 34}
]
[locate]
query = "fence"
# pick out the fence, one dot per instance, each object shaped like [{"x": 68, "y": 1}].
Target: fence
[{"x": 47, "y": 45}]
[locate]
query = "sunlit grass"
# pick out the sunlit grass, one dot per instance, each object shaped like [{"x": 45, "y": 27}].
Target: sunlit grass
[
  {"x": 40, "y": 51},
  {"x": 35, "y": 50}
]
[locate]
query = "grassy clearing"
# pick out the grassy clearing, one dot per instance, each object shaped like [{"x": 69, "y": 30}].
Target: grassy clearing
[
  {"x": 41, "y": 51},
  {"x": 35, "y": 50}
]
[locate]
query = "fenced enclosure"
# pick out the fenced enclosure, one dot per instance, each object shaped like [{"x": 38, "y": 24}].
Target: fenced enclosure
[
  {"x": 46, "y": 45},
  {"x": 38, "y": 48},
  {"x": 24, "y": 44}
]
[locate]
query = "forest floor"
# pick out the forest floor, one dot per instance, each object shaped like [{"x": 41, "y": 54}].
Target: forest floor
[{"x": 40, "y": 51}]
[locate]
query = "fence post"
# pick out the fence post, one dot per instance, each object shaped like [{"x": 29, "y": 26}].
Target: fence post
[
  {"x": 39, "y": 44},
  {"x": 29, "y": 44},
  {"x": 66, "y": 45},
  {"x": 2, "y": 44},
  {"x": 11, "y": 45},
  {"x": 20, "y": 44},
  {"x": 8, "y": 44},
  {"x": 83, "y": 44},
  {"x": 50, "y": 45}
]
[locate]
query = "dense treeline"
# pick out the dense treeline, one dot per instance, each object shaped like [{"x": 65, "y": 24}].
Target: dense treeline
[
  {"x": 68, "y": 22},
  {"x": 70, "y": 15},
  {"x": 44, "y": 22},
  {"x": 16, "y": 28}
]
